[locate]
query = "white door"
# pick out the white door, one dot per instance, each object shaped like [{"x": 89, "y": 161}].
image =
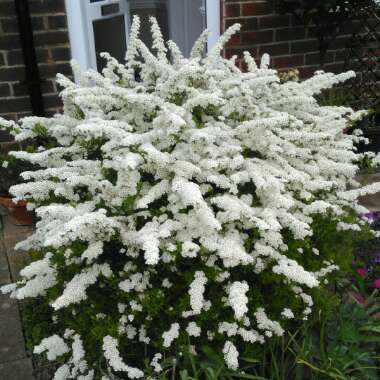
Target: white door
[{"x": 102, "y": 25}]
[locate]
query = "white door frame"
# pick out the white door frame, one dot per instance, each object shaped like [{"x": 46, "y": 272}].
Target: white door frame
[
  {"x": 81, "y": 13},
  {"x": 213, "y": 21}
]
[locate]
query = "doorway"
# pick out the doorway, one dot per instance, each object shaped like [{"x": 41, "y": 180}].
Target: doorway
[{"x": 102, "y": 25}]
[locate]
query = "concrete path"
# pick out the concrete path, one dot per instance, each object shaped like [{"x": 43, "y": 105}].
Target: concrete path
[{"x": 14, "y": 362}]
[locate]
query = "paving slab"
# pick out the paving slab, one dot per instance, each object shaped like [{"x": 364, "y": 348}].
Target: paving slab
[
  {"x": 12, "y": 344},
  {"x": 14, "y": 363},
  {"x": 11, "y": 236},
  {"x": 371, "y": 202},
  {"x": 17, "y": 370},
  {"x": 5, "y": 277}
]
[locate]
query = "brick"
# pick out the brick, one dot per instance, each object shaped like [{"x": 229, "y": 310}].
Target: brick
[
  {"x": 259, "y": 37},
  {"x": 2, "y": 58},
  {"x": 340, "y": 55},
  {"x": 247, "y": 23},
  {"x": 38, "y": 23},
  {"x": 307, "y": 72},
  {"x": 15, "y": 104},
  {"x": 275, "y": 49},
  {"x": 57, "y": 22},
  {"x": 290, "y": 34},
  {"x": 50, "y": 38},
  {"x": 288, "y": 62},
  {"x": 52, "y": 112},
  {"x": 7, "y": 8},
  {"x": 15, "y": 58},
  {"x": 232, "y": 10},
  {"x": 350, "y": 27},
  {"x": 4, "y": 90},
  {"x": 341, "y": 42},
  {"x": 9, "y": 41},
  {"x": 19, "y": 89},
  {"x": 235, "y": 40},
  {"x": 231, "y": 52},
  {"x": 251, "y": 23},
  {"x": 61, "y": 54},
  {"x": 256, "y": 9},
  {"x": 315, "y": 58},
  {"x": 50, "y": 71},
  {"x": 5, "y": 136},
  {"x": 336, "y": 67},
  {"x": 20, "y": 115},
  {"x": 278, "y": 21},
  {"x": 231, "y": 21},
  {"x": 48, "y": 87},
  {"x": 304, "y": 46},
  {"x": 42, "y": 54},
  {"x": 296, "y": 20},
  {"x": 47, "y": 6},
  {"x": 11, "y": 73},
  {"x": 9, "y": 25},
  {"x": 8, "y": 116},
  {"x": 52, "y": 101}
]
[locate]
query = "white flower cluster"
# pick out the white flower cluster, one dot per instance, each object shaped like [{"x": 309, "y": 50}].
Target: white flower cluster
[
  {"x": 196, "y": 290},
  {"x": 170, "y": 188},
  {"x": 54, "y": 345},
  {"x": 237, "y": 298},
  {"x": 112, "y": 355},
  {"x": 170, "y": 335},
  {"x": 231, "y": 355}
]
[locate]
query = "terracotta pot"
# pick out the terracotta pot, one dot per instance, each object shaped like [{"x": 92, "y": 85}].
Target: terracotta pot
[{"x": 18, "y": 214}]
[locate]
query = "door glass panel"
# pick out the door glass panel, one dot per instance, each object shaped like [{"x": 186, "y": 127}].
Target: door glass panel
[
  {"x": 187, "y": 22},
  {"x": 110, "y": 36},
  {"x": 180, "y": 20},
  {"x": 147, "y": 8}
]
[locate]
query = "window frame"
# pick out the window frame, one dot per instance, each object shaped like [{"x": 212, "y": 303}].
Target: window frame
[{"x": 82, "y": 41}]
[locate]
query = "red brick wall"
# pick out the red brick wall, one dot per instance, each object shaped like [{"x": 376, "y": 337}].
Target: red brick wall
[
  {"x": 283, "y": 36},
  {"x": 53, "y": 54}
]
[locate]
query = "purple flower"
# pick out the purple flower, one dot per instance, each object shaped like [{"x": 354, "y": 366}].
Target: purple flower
[
  {"x": 361, "y": 271},
  {"x": 376, "y": 283},
  {"x": 371, "y": 216}
]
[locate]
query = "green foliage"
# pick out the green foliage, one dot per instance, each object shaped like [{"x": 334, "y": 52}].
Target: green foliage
[{"x": 338, "y": 96}]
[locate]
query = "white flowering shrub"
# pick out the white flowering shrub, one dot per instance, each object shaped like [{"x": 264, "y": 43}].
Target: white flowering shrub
[{"x": 183, "y": 202}]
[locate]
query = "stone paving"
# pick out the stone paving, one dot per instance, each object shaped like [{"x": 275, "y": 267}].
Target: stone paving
[{"x": 14, "y": 362}]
